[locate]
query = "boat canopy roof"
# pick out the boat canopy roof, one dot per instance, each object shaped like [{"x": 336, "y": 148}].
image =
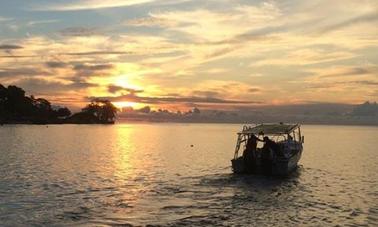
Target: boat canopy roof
[{"x": 270, "y": 129}]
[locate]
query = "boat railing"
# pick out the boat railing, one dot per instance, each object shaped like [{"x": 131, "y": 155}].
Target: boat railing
[{"x": 237, "y": 148}]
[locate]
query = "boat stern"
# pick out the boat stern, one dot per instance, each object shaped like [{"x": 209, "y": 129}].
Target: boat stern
[{"x": 238, "y": 165}]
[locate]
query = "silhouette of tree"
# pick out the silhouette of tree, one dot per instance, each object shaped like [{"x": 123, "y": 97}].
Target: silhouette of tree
[
  {"x": 16, "y": 107},
  {"x": 103, "y": 110},
  {"x": 108, "y": 111},
  {"x": 3, "y": 98},
  {"x": 145, "y": 110},
  {"x": 63, "y": 112},
  {"x": 196, "y": 110},
  {"x": 92, "y": 108}
]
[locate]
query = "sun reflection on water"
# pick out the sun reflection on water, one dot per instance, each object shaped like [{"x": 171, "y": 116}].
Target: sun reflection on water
[{"x": 150, "y": 174}]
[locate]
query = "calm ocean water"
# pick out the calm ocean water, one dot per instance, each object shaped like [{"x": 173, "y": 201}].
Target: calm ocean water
[{"x": 143, "y": 174}]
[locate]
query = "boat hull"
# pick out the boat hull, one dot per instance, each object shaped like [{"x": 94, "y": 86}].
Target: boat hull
[
  {"x": 286, "y": 166},
  {"x": 279, "y": 166}
]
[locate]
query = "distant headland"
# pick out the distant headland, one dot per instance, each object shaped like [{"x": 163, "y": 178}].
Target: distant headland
[{"x": 17, "y": 108}]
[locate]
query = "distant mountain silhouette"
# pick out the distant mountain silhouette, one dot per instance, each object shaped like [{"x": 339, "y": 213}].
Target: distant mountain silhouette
[
  {"x": 366, "y": 109},
  {"x": 311, "y": 113}
]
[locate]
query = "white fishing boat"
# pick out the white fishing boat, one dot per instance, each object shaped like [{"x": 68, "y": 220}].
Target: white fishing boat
[{"x": 268, "y": 149}]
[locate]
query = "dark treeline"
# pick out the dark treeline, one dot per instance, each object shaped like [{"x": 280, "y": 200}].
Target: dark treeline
[
  {"x": 366, "y": 109},
  {"x": 97, "y": 112},
  {"x": 16, "y": 107},
  {"x": 340, "y": 114}
]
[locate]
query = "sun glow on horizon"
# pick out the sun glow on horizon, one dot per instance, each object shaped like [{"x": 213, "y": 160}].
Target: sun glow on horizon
[{"x": 124, "y": 104}]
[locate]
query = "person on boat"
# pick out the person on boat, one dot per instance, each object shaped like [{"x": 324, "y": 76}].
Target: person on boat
[
  {"x": 249, "y": 153},
  {"x": 266, "y": 157},
  {"x": 287, "y": 146},
  {"x": 274, "y": 147}
]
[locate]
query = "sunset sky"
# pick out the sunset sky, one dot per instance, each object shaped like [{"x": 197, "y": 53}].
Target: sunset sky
[{"x": 185, "y": 53}]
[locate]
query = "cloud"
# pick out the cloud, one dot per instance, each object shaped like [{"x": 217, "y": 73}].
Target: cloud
[
  {"x": 172, "y": 100},
  {"x": 18, "y": 56},
  {"x": 89, "y": 5},
  {"x": 195, "y": 49},
  {"x": 39, "y": 85},
  {"x": 366, "y": 18},
  {"x": 366, "y": 82},
  {"x": 10, "y": 47},
  {"x": 115, "y": 89},
  {"x": 218, "y": 92},
  {"x": 350, "y": 71},
  {"x": 79, "y": 31},
  {"x": 349, "y": 84},
  {"x": 150, "y": 22},
  {"x": 101, "y": 52},
  {"x": 80, "y": 67},
  {"x": 254, "y": 90},
  {"x": 41, "y": 22},
  {"x": 3, "y": 19},
  {"x": 374, "y": 93},
  {"x": 55, "y": 64},
  {"x": 204, "y": 93},
  {"x": 93, "y": 67},
  {"x": 86, "y": 70},
  {"x": 236, "y": 20},
  {"x": 304, "y": 56},
  {"x": 22, "y": 72}
]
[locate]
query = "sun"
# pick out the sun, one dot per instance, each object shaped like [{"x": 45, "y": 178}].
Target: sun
[{"x": 121, "y": 104}]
